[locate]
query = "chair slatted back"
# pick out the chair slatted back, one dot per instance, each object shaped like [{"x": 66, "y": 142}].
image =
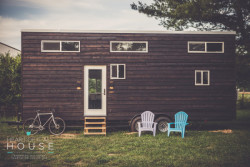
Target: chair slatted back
[
  {"x": 147, "y": 119},
  {"x": 180, "y": 119}
]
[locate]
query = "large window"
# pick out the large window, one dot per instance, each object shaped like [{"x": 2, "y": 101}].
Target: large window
[
  {"x": 128, "y": 46},
  {"x": 60, "y": 46},
  {"x": 202, "y": 77},
  {"x": 117, "y": 71},
  {"x": 205, "y": 47}
]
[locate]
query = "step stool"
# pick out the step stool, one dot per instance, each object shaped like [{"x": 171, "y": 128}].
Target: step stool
[{"x": 95, "y": 126}]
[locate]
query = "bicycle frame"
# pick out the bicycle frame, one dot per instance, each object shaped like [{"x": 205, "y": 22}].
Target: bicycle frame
[{"x": 38, "y": 118}]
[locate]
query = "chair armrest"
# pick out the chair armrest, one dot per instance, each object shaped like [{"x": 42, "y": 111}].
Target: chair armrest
[
  {"x": 171, "y": 123},
  {"x": 155, "y": 124}
]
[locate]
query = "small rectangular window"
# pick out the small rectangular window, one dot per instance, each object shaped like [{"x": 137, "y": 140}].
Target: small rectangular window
[
  {"x": 121, "y": 71},
  {"x": 54, "y": 46},
  {"x": 197, "y": 47},
  {"x": 117, "y": 71},
  {"x": 114, "y": 71},
  {"x": 205, "y": 47},
  {"x": 198, "y": 77},
  {"x": 70, "y": 46},
  {"x": 202, "y": 77},
  {"x": 129, "y": 46},
  {"x": 60, "y": 46},
  {"x": 214, "y": 47}
]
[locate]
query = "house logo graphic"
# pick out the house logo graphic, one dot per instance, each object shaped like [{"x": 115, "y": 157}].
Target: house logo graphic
[{"x": 29, "y": 147}]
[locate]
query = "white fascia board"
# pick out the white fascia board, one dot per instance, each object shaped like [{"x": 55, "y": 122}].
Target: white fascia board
[{"x": 128, "y": 31}]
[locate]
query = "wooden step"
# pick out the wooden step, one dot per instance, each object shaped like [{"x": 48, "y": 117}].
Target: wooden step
[
  {"x": 94, "y": 127},
  {"x": 95, "y": 133},
  {"x": 93, "y": 123},
  {"x": 95, "y": 118}
]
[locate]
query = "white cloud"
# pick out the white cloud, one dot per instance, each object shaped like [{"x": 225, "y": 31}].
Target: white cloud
[
  {"x": 63, "y": 5},
  {"x": 103, "y": 17}
]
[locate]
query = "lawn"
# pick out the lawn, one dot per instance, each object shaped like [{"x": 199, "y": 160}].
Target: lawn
[{"x": 200, "y": 147}]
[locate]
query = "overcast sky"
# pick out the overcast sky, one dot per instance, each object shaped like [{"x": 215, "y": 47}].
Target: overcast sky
[{"x": 69, "y": 14}]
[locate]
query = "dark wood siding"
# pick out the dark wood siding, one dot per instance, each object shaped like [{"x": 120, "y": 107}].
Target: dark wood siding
[{"x": 161, "y": 80}]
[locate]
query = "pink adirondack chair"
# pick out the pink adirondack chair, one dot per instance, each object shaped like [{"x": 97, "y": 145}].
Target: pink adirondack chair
[{"x": 147, "y": 123}]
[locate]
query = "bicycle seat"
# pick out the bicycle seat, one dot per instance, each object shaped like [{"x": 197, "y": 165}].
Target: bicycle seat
[{"x": 52, "y": 110}]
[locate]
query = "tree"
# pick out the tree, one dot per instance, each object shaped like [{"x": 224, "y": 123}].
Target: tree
[
  {"x": 207, "y": 15},
  {"x": 10, "y": 81},
  {"x": 203, "y": 15}
]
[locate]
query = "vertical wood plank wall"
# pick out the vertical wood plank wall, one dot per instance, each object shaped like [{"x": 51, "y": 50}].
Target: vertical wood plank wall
[{"x": 162, "y": 80}]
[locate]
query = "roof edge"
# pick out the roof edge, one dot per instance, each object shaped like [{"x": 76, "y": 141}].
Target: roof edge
[
  {"x": 10, "y": 46},
  {"x": 129, "y": 31}
]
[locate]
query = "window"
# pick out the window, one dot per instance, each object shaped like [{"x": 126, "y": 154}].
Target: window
[
  {"x": 205, "y": 47},
  {"x": 196, "y": 47},
  {"x": 60, "y": 46},
  {"x": 202, "y": 77},
  {"x": 215, "y": 47},
  {"x": 117, "y": 71},
  {"x": 129, "y": 46},
  {"x": 70, "y": 46}
]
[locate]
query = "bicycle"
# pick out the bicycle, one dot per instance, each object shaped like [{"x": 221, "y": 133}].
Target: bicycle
[{"x": 33, "y": 125}]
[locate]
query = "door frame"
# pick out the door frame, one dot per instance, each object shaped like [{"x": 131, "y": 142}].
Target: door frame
[{"x": 95, "y": 112}]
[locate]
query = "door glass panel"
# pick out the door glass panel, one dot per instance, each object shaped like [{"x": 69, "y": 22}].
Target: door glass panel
[{"x": 95, "y": 87}]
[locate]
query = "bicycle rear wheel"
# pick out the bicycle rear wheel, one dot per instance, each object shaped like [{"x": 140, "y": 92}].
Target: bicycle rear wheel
[
  {"x": 58, "y": 127},
  {"x": 31, "y": 125}
]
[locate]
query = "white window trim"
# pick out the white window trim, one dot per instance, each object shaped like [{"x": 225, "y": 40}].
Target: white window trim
[
  {"x": 146, "y": 42},
  {"x": 117, "y": 69},
  {"x": 52, "y": 41},
  {"x": 205, "y": 51},
  {"x": 208, "y": 79}
]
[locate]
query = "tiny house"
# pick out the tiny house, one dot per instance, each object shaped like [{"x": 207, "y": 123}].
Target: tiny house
[{"x": 120, "y": 74}]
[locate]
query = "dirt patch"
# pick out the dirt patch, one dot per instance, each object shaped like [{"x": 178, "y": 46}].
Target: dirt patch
[
  {"x": 223, "y": 131},
  {"x": 67, "y": 136},
  {"x": 131, "y": 133},
  {"x": 80, "y": 163},
  {"x": 113, "y": 154}
]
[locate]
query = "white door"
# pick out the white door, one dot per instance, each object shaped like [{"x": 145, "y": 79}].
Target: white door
[{"x": 95, "y": 90}]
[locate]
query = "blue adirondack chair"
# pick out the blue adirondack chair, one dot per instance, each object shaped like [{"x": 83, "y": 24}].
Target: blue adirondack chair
[{"x": 180, "y": 123}]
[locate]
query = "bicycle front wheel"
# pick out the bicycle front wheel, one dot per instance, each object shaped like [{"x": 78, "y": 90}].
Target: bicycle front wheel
[
  {"x": 31, "y": 126},
  {"x": 57, "y": 127}
]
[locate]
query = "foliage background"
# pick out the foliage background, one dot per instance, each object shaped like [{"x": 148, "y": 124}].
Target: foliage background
[{"x": 10, "y": 84}]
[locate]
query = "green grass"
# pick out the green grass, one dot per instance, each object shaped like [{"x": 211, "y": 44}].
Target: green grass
[
  {"x": 199, "y": 147},
  {"x": 243, "y": 103}
]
